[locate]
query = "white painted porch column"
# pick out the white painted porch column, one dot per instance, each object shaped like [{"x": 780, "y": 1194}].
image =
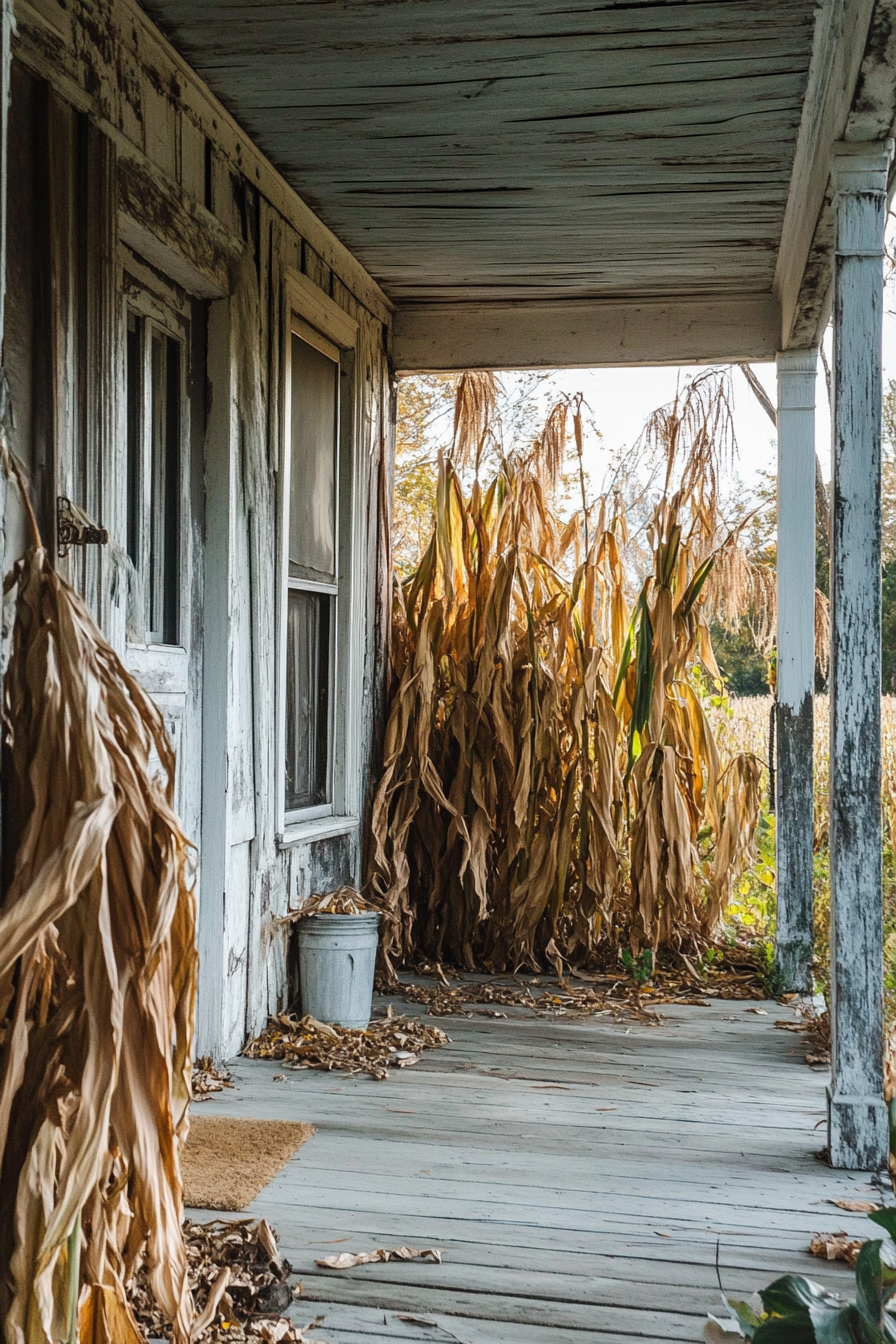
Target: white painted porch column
[
  {"x": 794, "y": 823},
  {"x": 857, "y": 1117}
]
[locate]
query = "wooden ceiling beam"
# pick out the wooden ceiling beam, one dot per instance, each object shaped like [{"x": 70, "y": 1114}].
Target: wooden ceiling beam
[
  {"x": 851, "y": 94},
  {"x": 585, "y": 333}
]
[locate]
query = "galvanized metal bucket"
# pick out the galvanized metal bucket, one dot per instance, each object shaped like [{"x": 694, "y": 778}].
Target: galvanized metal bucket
[{"x": 337, "y": 956}]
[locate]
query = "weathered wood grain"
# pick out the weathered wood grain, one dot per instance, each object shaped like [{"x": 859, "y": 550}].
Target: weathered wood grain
[
  {"x": 583, "y": 333},
  {"x": 498, "y": 158},
  {"x": 559, "y": 1220},
  {"x": 794, "y": 718},
  {"x": 858, "y": 1119}
]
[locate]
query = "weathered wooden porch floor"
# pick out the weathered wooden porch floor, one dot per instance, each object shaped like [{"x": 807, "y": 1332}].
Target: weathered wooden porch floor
[{"x": 578, "y": 1175}]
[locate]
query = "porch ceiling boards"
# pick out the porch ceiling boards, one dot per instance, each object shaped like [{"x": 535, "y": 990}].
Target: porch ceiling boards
[
  {"x": 499, "y": 164},
  {"x": 578, "y": 1175},
  {"x": 518, "y": 149}
]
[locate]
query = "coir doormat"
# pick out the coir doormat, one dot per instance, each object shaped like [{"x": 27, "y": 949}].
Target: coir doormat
[{"x": 226, "y": 1162}]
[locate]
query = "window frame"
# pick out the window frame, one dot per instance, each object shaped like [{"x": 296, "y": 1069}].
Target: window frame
[{"x": 315, "y": 318}]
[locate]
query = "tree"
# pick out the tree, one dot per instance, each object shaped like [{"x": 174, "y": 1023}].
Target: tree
[
  {"x": 424, "y": 427},
  {"x": 424, "y": 419}
]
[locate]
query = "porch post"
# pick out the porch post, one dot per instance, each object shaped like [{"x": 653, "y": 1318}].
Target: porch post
[
  {"x": 794, "y": 825},
  {"x": 857, "y": 1117}
]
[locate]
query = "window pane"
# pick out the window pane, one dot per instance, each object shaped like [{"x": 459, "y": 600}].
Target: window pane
[
  {"x": 312, "y": 493},
  {"x": 307, "y": 699},
  {"x": 134, "y": 427},
  {"x": 164, "y": 486}
]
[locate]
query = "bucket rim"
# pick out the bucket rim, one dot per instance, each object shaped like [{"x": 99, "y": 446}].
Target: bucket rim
[{"x": 368, "y": 915}]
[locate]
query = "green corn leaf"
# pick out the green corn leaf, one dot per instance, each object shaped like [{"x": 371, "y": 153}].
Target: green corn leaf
[{"x": 692, "y": 592}]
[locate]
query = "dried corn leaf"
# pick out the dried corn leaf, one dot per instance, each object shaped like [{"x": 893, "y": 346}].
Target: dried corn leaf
[
  {"x": 836, "y": 1246},
  {"x": 208, "y": 1077},
  {"x": 345, "y": 901},
  {"x": 346, "y": 1260}
]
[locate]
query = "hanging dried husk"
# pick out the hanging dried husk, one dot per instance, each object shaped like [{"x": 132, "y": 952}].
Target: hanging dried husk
[{"x": 97, "y": 982}]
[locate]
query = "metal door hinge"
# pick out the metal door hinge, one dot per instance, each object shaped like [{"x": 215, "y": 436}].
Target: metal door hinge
[{"x": 74, "y": 528}]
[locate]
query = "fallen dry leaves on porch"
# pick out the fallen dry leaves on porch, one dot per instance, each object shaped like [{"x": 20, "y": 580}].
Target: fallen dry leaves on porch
[
  {"x": 735, "y": 978},
  {"x": 305, "y": 1043},
  {"x": 208, "y": 1078},
  {"x": 836, "y": 1246},
  {"x": 452, "y": 1001},
  {"x": 238, "y": 1281},
  {"x": 348, "y": 1261}
]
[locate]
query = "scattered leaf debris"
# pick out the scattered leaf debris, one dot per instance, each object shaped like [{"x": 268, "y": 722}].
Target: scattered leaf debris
[
  {"x": 856, "y": 1205},
  {"x": 731, "y": 974},
  {"x": 566, "y": 999},
  {"x": 345, "y": 901},
  {"x": 208, "y": 1078},
  {"x": 348, "y": 1261},
  {"x": 387, "y": 1043},
  {"x": 836, "y": 1246},
  {"x": 240, "y": 1286},
  {"x": 819, "y": 1042}
]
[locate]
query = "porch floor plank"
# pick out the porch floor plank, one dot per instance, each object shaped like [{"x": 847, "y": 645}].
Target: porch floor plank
[{"x": 578, "y": 1174}]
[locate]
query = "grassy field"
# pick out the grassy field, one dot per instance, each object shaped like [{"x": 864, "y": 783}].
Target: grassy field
[{"x": 743, "y": 725}]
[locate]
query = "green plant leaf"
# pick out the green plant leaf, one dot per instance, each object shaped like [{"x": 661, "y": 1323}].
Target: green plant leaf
[
  {"x": 794, "y": 1329},
  {"x": 746, "y": 1316},
  {"x": 792, "y": 1293},
  {"x": 843, "y": 1325},
  {"x": 869, "y": 1281},
  {"x": 885, "y": 1218}
]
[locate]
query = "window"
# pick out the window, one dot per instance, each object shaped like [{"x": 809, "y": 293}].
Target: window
[
  {"x": 312, "y": 570},
  {"x": 154, "y": 402}
]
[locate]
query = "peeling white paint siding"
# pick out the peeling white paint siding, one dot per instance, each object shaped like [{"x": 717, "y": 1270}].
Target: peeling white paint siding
[
  {"x": 796, "y": 665},
  {"x": 197, "y": 208},
  {"x": 857, "y": 1115},
  {"x": 215, "y": 838}
]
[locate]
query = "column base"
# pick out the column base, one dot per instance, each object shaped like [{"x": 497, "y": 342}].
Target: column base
[
  {"x": 793, "y": 966},
  {"x": 858, "y": 1132}
]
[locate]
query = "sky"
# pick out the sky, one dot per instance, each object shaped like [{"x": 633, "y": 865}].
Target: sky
[{"x": 622, "y": 399}]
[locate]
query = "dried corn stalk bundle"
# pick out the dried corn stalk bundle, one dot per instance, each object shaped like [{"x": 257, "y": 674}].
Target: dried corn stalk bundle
[
  {"x": 549, "y": 769},
  {"x": 97, "y": 983},
  {"x": 305, "y": 1043}
]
